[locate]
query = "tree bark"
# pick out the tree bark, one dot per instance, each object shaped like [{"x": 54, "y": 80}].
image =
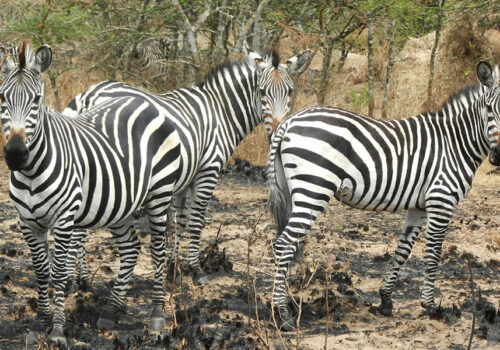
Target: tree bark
[
  {"x": 326, "y": 72},
  {"x": 191, "y": 30},
  {"x": 390, "y": 64},
  {"x": 245, "y": 29},
  {"x": 371, "y": 71},
  {"x": 430, "y": 103},
  {"x": 219, "y": 50},
  {"x": 257, "y": 29}
]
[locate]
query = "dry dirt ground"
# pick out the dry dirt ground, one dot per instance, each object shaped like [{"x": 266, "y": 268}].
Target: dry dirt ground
[{"x": 345, "y": 257}]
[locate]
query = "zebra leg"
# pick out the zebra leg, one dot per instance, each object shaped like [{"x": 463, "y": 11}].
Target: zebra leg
[
  {"x": 128, "y": 247},
  {"x": 195, "y": 225},
  {"x": 439, "y": 218},
  {"x": 64, "y": 260},
  {"x": 76, "y": 258},
  {"x": 177, "y": 217},
  {"x": 415, "y": 219},
  {"x": 158, "y": 253},
  {"x": 37, "y": 242},
  {"x": 82, "y": 271},
  {"x": 285, "y": 248}
]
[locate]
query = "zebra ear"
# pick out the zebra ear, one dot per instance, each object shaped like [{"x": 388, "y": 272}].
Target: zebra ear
[
  {"x": 6, "y": 64},
  {"x": 253, "y": 58},
  {"x": 43, "y": 58},
  {"x": 485, "y": 74},
  {"x": 296, "y": 63}
]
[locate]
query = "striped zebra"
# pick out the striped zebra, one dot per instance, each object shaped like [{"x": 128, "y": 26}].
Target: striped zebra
[
  {"x": 90, "y": 171},
  {"x": 211, "y": 118},
  {"x": 152, "y": 54},
  {"x": 82, "y": 280},
  {"x": 424, "y": 164}
]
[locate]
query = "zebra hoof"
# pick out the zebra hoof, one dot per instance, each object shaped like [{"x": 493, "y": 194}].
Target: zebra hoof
[
  {"x": 105, "y": 323},
  {"x": 40, "y": 324},
  {"x": 157, "y": 319},
  {"x": 57, "y": 338},
  {"x": 200, "y": 277},
  {"x": 84, "y": 285},
  {"x": 287, "y": 320},
  {"x": 385, "y": 307},
  {"x": 106, "y": 319}
]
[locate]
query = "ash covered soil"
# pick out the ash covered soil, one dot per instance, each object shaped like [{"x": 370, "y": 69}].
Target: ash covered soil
[{"x": 335, "y": 286}]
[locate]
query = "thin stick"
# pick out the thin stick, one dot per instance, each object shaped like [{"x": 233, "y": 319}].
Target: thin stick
[{"x": 473, "y": 307}]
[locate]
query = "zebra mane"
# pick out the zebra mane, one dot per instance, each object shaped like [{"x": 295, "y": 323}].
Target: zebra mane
[
  {"x": 22, "y": 54},
  {"x": 212, "y": 74},
  {"x": 465, "y": 96},
  {"x": 228, "y": 65},
  {"x": 275, "y": 58}
]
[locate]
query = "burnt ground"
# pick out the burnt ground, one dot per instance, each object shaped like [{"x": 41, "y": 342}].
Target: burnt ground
[{"x": 335, "y": 286}]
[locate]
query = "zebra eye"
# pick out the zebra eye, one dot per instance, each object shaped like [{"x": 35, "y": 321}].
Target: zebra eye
[
  {"x": 36, "y": 100},
  {"x": 2, "y": 97},
  {"x": 489, "y": 109},
  {"x": 262, "y": 92}
]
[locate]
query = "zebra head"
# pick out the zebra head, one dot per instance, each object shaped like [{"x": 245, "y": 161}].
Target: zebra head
[
  {"x": 275, "y": 84},
  {"x": 21, "y": 94},
  {"x": 490, "y": 78}
]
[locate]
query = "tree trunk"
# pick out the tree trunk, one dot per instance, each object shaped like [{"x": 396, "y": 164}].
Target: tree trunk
[
  {"x": 430, "y": 103},
  {"x": 371, "y": 71},
  {"x": 219, "y": 50},
  {"x": 343, "y": 56},
  {"x": 390, "y": 64},
  {"x": 190, "y": 30},
  {"x": 257, "y": 29},
  {"x": 245, "y": 28},
  {"x": 53, "y": 84},
  {"x": 326, "y": 72}
]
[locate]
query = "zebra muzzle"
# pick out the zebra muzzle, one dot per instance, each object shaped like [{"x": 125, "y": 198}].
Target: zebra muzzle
[{"x": 16, "y": 153}]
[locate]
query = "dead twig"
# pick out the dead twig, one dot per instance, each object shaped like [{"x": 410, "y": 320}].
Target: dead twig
[{"x": 473, "y": 307}]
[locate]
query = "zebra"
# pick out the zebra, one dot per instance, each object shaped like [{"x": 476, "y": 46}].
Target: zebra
[
  {"x": 211, "y": 118},
  {"x": 93, "y": 170},
  {"x": 152, "y": 54},
  {"x": 82, "y": 279},
  {"x": 424, "y": 164}
]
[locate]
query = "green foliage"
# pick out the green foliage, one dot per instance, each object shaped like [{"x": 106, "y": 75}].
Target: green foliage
[
  {"x": 359, "y": 98},
  {"x": 48, "y": 24}
]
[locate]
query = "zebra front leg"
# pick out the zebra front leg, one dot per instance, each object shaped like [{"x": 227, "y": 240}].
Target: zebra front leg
[
  {"x": 64, "y": 260},
  {"x": 76, "y": 258},
  {"x": 128, "y": 245},
  {"x": 415, "y": 219},
  {"x": 438, "y": 224},
  {"x": 37, "y": 242},
  {"x": 82, "y": 271}
]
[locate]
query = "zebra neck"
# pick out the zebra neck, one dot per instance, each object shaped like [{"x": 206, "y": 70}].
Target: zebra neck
[
  {"x": 47, "y": 151},
  {"x": 463, "y": 125}
]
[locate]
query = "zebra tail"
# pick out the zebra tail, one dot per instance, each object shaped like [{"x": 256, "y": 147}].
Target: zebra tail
[{"x": 280, "y": 201}]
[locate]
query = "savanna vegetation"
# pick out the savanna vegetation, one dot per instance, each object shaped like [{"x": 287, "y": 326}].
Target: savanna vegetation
[
  {"x": 366, "y": 54},
  {"x": 385, "y": 58}
]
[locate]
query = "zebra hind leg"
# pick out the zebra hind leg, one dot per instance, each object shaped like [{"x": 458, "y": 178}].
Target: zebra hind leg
[
  {"x": 128, "y": 246},
  {"x": 437, "y": 226},
  {"x": 158, "y": 254},
  {"x": 415, "y": 218}
]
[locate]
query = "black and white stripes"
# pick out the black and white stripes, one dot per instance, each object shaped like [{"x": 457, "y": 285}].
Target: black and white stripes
[
  {"x": 211, "y": 118},
  {"x": 93, "y": 170},
  {"x": 424, "y": 164}
]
